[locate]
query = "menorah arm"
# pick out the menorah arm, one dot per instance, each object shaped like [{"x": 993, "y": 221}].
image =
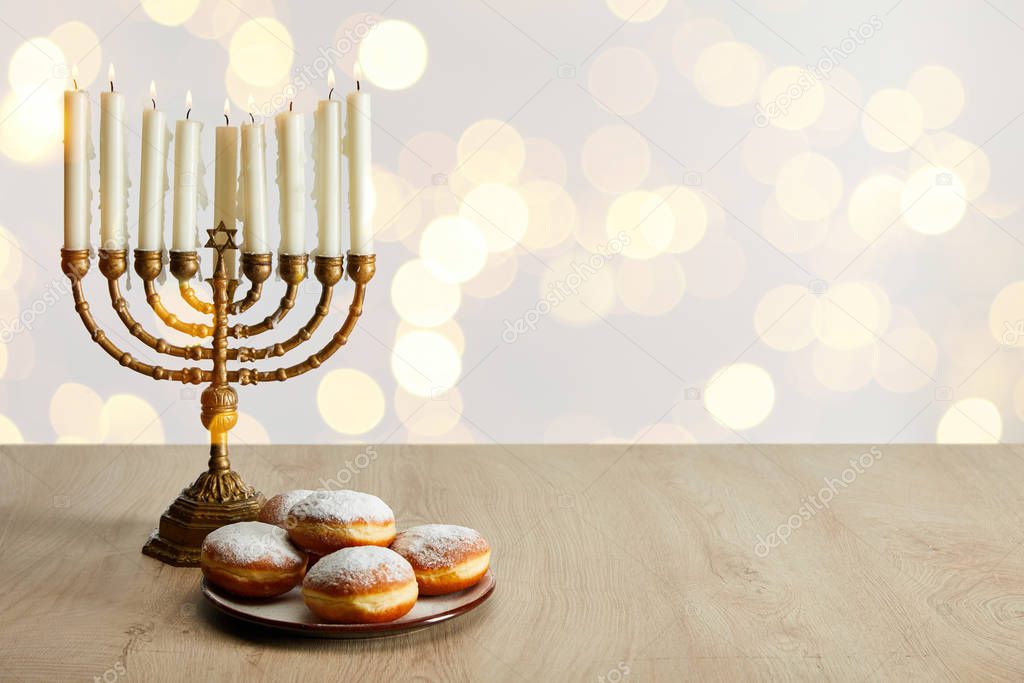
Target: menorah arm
[
  {"x": 256, "y": 267},
  {"x": 293, "y": 272},
  {"x": 120, "y": 304},
  {"x": 360, "y": 269},
  {"x": 75, "y": 264}
]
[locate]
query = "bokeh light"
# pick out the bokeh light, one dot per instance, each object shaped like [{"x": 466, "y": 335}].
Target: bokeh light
[
  {"x": 496, "y": 277},
  {"x": 970, "y": 420},
  {"x": 1006, "y": 315},
  {"x": 38, "y": 62},
  {"x": 766, "y": 149},
  {"x": 940, "y": 92},
  {"x": 81, "y": 47},
  {"x": 893, "y": 120},
  {"x": 968, "y": 162},
  {"x": 426, "y": 156},
  {"x": 32, "y": 127},
  {"x": 933, "y": 201},
  {"x": 491, "y": 151},
  {"x": 636, "y": 11},
  {"x": 453, "y": 248},
  {"x": 552, "y": 214},
  {"x": 623, "y": 79},
  {"x": 692, "y": 37},
  {"x": 789, "y": 234},
  {"x": 792, "y": 98},
  {"x": 425, "y": 363},
  {"x": 740, "y": 396},
  {"x": 615, "y": 159},
  {"x": 350, "y": 401},
  {"x": 393, "y": 55},
  {"x": 499, "y": 212},
  {"x": 169, "y": 12},
  {"x": 261, "y": 51},
  {"x": 545, "y": 161},
  {"x": 784, "y": 318},
  {"x": 422, "y": 299},
  {"x": 651, "y": 287},
  {"x": 690, "y": 217},
  {"x": 429, "y": 416},
  {"x": 572, "y": 298},
  {"x": 11, "y": 258},
  {"x": 728, "y": 74},
  {"x": 398, "y": 213},
  {"x": 809, "y": 187},
  {"x": 642, "y": 221},
  {"x": 9, "y": 432},
  {"x": 130, "y": 419},
  {"x": 851, "y": 315},
  {"x": 875, "y": 205},
  {"x": 905, "y": 360},
  {"x": 842, "y": 370},
  {"x": 75, "y": 413}
]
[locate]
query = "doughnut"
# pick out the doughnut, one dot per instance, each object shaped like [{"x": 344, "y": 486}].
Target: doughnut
[
  {"x": 252, "y": 559},
  {"x": 360, "y": 585},
  {"x": 275, "y": 510},
  {"x": 330, "y": 520},
  {"x": 446, "y": 558}
]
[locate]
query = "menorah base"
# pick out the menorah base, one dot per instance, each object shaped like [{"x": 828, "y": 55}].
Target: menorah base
[{"x": 188, "y": 520}]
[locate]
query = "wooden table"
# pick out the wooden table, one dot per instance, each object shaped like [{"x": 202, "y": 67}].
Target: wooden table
[{"x": 612, "y": 564}]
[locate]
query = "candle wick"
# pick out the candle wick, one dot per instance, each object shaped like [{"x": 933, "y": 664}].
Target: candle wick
[
  {"x": 75, "y": 81},
  {"x": 357, "y": 86},
  {"x": 111, "y": 86},
  {"x": 290, "y": 105},
  {"x": 226, "y": 121},
  {"x": 154, "y": 103},
  {"x": 188, "y": 112},
  {"x": 329, "y": 95},
  {"x": 252, "y": 118}
]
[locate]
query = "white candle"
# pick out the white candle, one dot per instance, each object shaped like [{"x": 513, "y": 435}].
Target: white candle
[
  {"x": 153, "y": 180},
  {"x": 291, "y": 181},
  {"x": 76, "y": 167},
  {"x": 327, "y": 189},
  {"x": 113, "y": 175},
  {"x": 254, "y": 188},
  {"x": 225, "y": 202},
  {"x": 186, "y": 180},
  {"x": 361, "y": 197}
]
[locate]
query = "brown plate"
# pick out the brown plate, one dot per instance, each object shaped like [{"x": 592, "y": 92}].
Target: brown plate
[{"x": 289, "y": 613}]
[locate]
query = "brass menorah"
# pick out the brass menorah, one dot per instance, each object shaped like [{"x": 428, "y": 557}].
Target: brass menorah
[{"x": 218, "y": 496}]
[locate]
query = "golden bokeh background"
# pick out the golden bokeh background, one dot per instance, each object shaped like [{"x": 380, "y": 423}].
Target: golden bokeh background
[{"x": 680, "y": 223}]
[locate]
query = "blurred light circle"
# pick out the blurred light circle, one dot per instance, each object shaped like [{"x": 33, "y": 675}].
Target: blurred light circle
[
  {"x": 766, "y": 149},
  {"x": 842, "y": 370},
  {"x": 651, "y": 287},
  {"x": 38, "y": 62},
  {"x": 1006, "y": 315},
  {"x": 893, "y": 120},
  {"x": 491, "y": 151},
  {"x": 499, "y": 211},
  {"x": 422, "y": 299},
  {"x": 75, "y": 413},
  {"x": 397, "y": 213},
  {"x": 967, "y": 161},
  {"x": 692, "y": 37},
  {"x": 728, "y": 74},
  {"x": 643, "y": 222},
  {"x": 578, "y": 289},
  {"x": 940, "y": 92},
  {"x": 261, "y": 51},
  {"x": 453, "y": 248},
  {"x": 875, "y": 205},
  {"x": 427, "y": 158},
  {"x": 970, "y": 420},
  {"x": 789, "y": 234},
  {"x": 716, "y": 267},
  {"x": 690, "y": 217},
  {"x": 615, "y": 159},
  {"x": 425, "y": 363},
  {"x": 429, "y": 416},
  {"x": 552, "y": 214},
  {"x": 449, "y": 329},
  {"x": 130, "y": 419},
  {"x": 623, "y": 80},
  {"x": 933, "y": 201},
  {"x": 32, "y": 126},
  {"x": 393, "y": 55},
  {"x": 170, "y": 12},
  {"x": 784, "y": 317},
  {"x": 350, "y": 401},
  {"x": 905, "y": 360},
  {"x": 11, "y": 259},
  {"x": 347, "y": 37},
  {"x": 740, "y": 396},
  {"x": 249, "y": 430},
  {"x": 81, "y": 47},
  {"x": 809, "y": 187},
  {"x": 636, "y": 11},
  {"x": 545, "y": 162},
  {"x": 496, "y": 276},
  {"x": 842, "y": 108},
  {"x": 266, "y": 101},
  {"x": 851, "y": 315},
  {"x": 9, "y": 432},
  {"x": 792, "y": 98},
  {"x": 663, "y": 432}
]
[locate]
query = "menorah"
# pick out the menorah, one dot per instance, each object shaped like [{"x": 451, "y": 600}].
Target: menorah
[{"x": 218, "y": 496}]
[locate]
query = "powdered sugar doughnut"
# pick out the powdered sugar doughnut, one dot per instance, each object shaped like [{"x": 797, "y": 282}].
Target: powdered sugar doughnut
[
  {"x": 446, "y": 558},
  {"x": 330, "y": 520},
  {"x": 252, "y": 559},
  {"x": 360, "y": 585},
  {"x": 275, "y": 510}
]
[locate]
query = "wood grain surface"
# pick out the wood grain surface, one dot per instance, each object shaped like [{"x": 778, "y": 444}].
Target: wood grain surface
[{"x": 613, "y": 564}]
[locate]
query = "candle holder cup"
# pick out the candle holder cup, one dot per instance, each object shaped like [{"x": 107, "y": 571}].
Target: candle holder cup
[{"x": 218, "y": 496}]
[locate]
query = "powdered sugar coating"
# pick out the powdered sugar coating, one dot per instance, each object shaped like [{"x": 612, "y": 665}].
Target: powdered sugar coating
[
  {"x": 275, "y": 510},
  {"x": 432, "y": 546},
  {"x": 342, "y": 506},
  {"x": 358, "y": 569},
  {"x": 247, "y": 543}
]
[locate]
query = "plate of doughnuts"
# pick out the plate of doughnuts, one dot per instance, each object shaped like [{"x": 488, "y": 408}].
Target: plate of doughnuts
[{"x": 333, "y": 564}]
